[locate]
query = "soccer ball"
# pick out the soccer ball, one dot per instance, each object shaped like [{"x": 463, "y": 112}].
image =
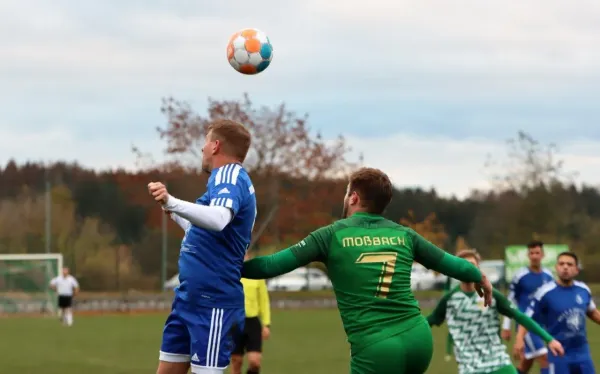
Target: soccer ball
[{"x": 249, "y": 51}]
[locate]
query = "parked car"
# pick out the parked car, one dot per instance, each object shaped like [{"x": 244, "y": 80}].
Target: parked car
[
  {"x": 300, "y": 279},
  {"x": 422, "y": 278}
]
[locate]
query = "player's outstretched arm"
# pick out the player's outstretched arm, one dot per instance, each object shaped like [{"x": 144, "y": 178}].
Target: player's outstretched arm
[
  {"x": 508, "y": 309},
  {"x": 312, "y": 248},
  {"x": 181, "y": 222},
  {"x": 213, "y": 218},
  {"x": 439, "y": 260}
]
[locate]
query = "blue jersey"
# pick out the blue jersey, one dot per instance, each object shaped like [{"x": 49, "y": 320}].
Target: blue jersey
[
  {"x": 563, "y": 312},
  {"x": 210, "y": 262},
  {"x": 524, "y": 285}
]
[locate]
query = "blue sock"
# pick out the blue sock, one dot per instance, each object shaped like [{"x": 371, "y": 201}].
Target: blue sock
[{"x": 545, "y": 371}]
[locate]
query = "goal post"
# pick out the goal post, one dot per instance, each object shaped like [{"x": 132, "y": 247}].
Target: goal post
[{"x": 25, "y": 282}]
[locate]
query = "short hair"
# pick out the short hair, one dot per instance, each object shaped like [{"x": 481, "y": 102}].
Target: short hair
[
  {"x": 235, "y": 138},
  {"x": 569, "y": 254},
  {"x": 535, "y": 243},
  {"x": 374, "y": 188},
  {"x": 466, "y": 253}
]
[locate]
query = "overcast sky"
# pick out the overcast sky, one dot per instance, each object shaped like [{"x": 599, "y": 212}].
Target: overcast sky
[{"x": 425, "y": 89}]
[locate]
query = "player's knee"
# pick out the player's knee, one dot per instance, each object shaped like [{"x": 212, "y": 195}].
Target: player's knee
[
  {"x": 254, "y": 360},
  {"x": 172, "y": 367},
  {"x": 542, "y": 361},
  {"x": 236, "y": 363}
]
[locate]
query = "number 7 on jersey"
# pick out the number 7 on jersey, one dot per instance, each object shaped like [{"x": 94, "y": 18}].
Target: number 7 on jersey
[{"x": 388, "y": 267}]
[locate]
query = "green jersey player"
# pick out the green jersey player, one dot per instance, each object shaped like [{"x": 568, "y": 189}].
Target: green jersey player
[
  {"x": 369, "y": 261},
  {"x": 474, "y": 328}
]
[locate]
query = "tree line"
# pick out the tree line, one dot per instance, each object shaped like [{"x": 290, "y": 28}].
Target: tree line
[{"x": 109, "y": 230}]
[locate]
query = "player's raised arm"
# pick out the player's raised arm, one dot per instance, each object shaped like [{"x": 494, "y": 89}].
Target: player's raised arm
[
  {"x": 181, "y": 222},
  {"x": 213, "y": 217},
  {"x": 439, "y": 260},
  {"x": 312, "y": 248}
]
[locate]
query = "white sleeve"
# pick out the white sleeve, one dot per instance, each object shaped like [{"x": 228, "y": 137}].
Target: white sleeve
[
  {"x": 213, "y": 218},
  {"x": 74, "y": 282},
  {"x": 181, "y": 222},
  {"x": 53, "y": 281},
  {"x": 506, "y": 324},
  {"x": 591, "y": 306}
]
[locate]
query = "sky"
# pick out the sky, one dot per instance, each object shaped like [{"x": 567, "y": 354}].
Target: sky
[{"x": 426, "y": 90}]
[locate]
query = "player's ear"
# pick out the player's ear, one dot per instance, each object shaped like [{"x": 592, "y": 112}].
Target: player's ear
[{"x": 354, "y": 198}]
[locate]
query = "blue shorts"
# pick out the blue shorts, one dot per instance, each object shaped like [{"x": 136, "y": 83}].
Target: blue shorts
[
  {"x": 534, "y": 346},
  {"x": 202, "y": 336},
  {"x": 579, "y": 367}
]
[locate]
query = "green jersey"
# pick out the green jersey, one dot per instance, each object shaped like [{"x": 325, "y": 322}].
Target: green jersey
[
  {"x": 474, "y": 329},
  {"x": 369, "y": 261}
]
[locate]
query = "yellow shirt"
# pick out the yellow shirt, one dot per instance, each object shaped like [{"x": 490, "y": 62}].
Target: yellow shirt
[{"x": 256, "y": 300}]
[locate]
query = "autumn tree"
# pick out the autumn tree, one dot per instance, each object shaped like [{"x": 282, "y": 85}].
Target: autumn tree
[
  {"x": 430, "y": 228},
  {"x": 292, "y": 167}
]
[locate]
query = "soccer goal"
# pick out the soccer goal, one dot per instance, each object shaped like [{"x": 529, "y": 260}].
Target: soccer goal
[{"x": 25, "y": 282}]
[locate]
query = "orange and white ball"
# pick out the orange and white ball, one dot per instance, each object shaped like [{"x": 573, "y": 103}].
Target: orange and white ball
[{"x": 249, "y": 51}]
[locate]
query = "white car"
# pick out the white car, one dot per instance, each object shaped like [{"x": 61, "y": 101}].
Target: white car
[
  {"x": 300, "y": 279},
  {"x": 422, "y": 278}
]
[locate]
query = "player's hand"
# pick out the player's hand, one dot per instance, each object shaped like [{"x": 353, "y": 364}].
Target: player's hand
[
  {"x": 266, "y": 333},
  {"x": 159, "y": 192},
  {"x": 556, "y": 348},
  {"x": 484, "y": 289},
  {"x": 519, "y": 349},
  {"x": 506, "y": 335}
]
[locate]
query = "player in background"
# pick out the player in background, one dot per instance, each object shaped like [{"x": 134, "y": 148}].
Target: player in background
[
  {"x": 563, "y": 306},
  {"x": 369, "y": 261},
  {"x": 257, "y": 327},
  {"x": 523, "y": 286},
  {"x": 66, "y": 286},
  {"x": 208, "y": 308},
  {"x": 474, "y": 328}
]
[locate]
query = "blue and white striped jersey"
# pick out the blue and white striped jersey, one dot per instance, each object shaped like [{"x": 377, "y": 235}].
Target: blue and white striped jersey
[{"x": 210, "y": 262}]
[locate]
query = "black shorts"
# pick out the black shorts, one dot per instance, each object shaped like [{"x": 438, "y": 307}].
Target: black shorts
[
  {"x": 251, "y": 339},
  {"x": 65, "y": 301}
]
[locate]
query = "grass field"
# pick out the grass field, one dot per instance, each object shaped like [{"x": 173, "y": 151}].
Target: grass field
[{"x": 302, "y": 341}]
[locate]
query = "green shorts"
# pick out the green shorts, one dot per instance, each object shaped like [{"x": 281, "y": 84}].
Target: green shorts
[
  {"x": 509, "y": 369},
  {"x": 407, "y": 353}
]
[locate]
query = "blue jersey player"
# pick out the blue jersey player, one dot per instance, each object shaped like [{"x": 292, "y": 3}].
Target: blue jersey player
[
  {"x": 562, "y": 306},
  {"x": 208, "y": 309},
  {"x": 523, "y": 286}
]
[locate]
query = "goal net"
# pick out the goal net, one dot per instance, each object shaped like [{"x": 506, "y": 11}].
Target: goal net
[{"x": 25, "y": 282}]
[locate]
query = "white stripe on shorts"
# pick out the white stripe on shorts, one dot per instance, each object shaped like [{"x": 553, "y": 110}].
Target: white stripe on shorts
[{"x": 214, "y": 338}]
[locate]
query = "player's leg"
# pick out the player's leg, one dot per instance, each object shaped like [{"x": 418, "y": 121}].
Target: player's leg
[
  {"x": 174, "y": 357},
  {"x": 237, "y": 356},
  {"x": 68, "y": 311},
  {"x": 254, "y": 347},
  {"x": 62, "y": 305},
  {"x": 213, "y": 332},
  {"x": 583, "y": 367},
  {"x": 535, "y": 351},
  {"x": 407, "y": 353}
]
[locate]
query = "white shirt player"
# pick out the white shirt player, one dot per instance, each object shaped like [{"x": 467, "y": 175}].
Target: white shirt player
[{"x": 65, "y": 285}]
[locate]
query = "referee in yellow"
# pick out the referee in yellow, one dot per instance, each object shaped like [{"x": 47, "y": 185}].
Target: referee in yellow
[{"x": 256, "y": 328}]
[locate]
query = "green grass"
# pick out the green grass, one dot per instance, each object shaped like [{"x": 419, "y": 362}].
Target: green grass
[{"x": 302, "y": 341}]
